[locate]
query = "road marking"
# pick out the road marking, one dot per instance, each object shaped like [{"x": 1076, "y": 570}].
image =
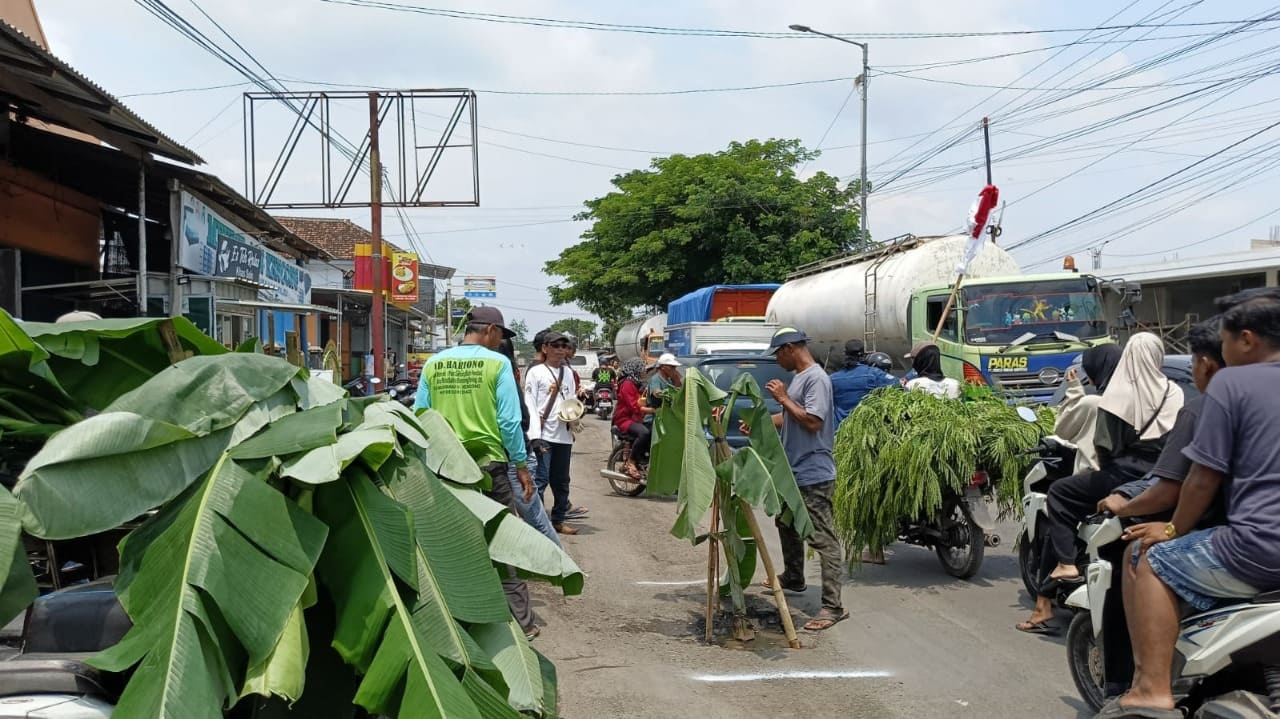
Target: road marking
[
  {"x": 685, "y": 583},
  {"x": 771, "y": 676}
]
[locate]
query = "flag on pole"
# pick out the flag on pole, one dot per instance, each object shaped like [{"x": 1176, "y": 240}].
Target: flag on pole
[{"x": 979, "y": 218}]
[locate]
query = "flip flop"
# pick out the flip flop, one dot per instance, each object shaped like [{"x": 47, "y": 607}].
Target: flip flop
[
  {"x": 1045, "y": 628},
  {"x": 1114, "y": 710},
  {"x": 1051, "y": 586},
  {"x": 533, "y": 633},
  {"x": 576, "y": 513},
  {"x": 794, "y": 589},
  {"x": 826, "y": 619}
]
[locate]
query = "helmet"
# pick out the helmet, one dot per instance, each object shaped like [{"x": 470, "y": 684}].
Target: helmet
[{"x": 879, "y": 360}]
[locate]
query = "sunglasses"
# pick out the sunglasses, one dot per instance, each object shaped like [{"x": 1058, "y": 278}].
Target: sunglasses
[{"x": 559, "y": 345}]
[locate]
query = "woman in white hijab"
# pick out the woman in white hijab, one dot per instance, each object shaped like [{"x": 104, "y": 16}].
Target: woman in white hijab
[{"x": 1137, "y": 410}]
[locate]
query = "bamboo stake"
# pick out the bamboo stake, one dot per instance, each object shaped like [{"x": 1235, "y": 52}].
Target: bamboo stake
[
  {"x": 713, "y": 568},
  {"x": 955, "y": 289},
  {"x": 783, "y": 611}
]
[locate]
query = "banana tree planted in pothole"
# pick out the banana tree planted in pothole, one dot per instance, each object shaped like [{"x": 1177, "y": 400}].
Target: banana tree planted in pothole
[
  {"x": 278, "y": 510},
  {"x": 693, "y": 460}
]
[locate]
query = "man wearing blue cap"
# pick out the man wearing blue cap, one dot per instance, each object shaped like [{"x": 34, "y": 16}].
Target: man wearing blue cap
[{"x": 808, "y": 425}]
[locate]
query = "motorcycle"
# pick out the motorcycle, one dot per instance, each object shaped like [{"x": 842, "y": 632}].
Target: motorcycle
[
  {"x": 362, "y": 386},
  {"x": 603, "y": 401},
  {"x": 403, "y": 391},
  {"x": 1226, "y": 661},
  {"x": 958, "y": 532},
  {"x": 621, "y": 482},
  {"x": 1056, "y": 460}
]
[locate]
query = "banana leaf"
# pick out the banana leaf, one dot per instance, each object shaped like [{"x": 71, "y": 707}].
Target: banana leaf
[
  {"x": 369, "y": 566},
  {"x": 446, "y": 457},
  {"x": 19, "y": 586},
  {"x": 99, "y": 360},
  {"x": 23, "y": 362},
  {"x": 211, "y": 583},
  {"x": 680, "y": 462},
  {"x": 762, "y": 474}
]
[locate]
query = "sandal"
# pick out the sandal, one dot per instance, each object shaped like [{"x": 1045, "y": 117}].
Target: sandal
[
  {"x": 1114, "y": 710},
  {"x": 533, "y": 633},
  {"x": 1030, "y": 627},
  {"x": 793, "y": 588},
  {"x": 562, "y": 528},
  {"x": 576, "y": 513},
  {"x": 826, "y": 619}
]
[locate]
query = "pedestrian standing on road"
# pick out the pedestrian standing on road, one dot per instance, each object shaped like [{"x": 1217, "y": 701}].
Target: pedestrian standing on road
[
  {"x": 546, "y": 386},
  {"x": 531, "y": 509},
  {"x": 472, "y": 386},
  {"x": 807, "y": 421}
]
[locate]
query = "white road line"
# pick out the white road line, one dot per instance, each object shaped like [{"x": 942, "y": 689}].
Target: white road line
[
  {"x": 685, "y": 583},
  {"x": 774, "y": 676}
]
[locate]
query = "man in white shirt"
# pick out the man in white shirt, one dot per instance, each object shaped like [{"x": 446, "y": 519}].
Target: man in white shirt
[{"x": 546, "y": 386}]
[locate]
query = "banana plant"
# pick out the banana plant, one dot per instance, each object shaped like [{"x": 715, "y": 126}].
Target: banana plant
[
  {"x": 271, "y": 508},
  {"x": 691, "y": 459}
]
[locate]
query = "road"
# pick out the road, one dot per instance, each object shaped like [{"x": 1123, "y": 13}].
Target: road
[{"x": 918, "y": 643}]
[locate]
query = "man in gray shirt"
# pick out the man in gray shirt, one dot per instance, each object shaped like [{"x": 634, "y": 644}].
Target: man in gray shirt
[
  {"x": 808, "y": 429},
  {"x": 1237, "y": 435}
]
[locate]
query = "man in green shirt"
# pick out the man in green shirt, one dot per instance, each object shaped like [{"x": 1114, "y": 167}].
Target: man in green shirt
[{"x": 473, "y": 387}]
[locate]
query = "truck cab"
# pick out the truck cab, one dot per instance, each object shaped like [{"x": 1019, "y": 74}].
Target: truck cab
[{"x": 1017, "y": 335}]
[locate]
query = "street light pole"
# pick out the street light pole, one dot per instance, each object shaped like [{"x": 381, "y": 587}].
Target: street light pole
[{"x": 866, "y": 77}]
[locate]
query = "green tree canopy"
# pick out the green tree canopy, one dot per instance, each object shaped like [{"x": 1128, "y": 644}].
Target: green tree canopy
[
  {"x": 735, "y": 216},
  {"x": 583, "y": 330}
]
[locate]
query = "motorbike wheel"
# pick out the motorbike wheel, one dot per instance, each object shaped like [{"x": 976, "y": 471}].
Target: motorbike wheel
[
  {"x": 615, "y": 464},
  {"x": 1084, "y": 654},
  {"x": 1029, "y": 563},
  {"x": 962, "y": 555}
]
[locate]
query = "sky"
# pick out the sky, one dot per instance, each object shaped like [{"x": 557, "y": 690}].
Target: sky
[{"x": 1150, "y": 138}]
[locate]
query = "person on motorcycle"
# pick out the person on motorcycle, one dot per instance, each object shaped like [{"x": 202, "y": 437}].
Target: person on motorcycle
[
  {"x": 629, "y": 415},
  {"x": 1138, "y": 409},
  {"x": 856, "y": 380},
  {"x": 926, "y": 362},
  {"x": 880, "y": 361},
  {"x": 1157, "y": 494},
  {"x": 606, "y": 374},
  {"x": 1238, "y": 435},
  {"x": 1078, "y": 412}
]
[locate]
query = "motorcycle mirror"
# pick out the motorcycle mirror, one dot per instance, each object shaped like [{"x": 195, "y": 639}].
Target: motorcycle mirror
[
  {"x": 1027, "y": 414},
  {"x": 375, "y": 380}
]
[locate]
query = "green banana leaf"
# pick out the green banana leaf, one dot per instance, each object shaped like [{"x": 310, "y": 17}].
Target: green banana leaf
[
  {"x": 762, "y": 473},
  {"x": 19, "y": 587},
  {"x": 446, "y": 457},
  {"x": 211, "y": 583},
  {"x": 369, "y": 566},
  {"x": 680, "y": 462},
  {"x": 99, "y": 360}
]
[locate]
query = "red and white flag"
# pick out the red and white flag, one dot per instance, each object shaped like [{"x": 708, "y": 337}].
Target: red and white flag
[{"x": 979, "y": 218}]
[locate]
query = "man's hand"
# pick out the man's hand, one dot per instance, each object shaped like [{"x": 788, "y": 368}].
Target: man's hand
[
  {"x": 776, "y": 388},
  {"x": 526, "y": 482},
  {"x": 1149, "y": 533},
  {"x": 1113, "y": 503},
  {"x": 539, "y": 446}
]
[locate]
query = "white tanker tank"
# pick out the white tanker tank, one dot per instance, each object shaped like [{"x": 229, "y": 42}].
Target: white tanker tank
[
  {"x": 828, "y": 299},
  {"x": 640, "y": 337}
]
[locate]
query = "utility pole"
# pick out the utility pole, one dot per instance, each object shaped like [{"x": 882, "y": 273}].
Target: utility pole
[
  {"x": 448, "y": 316},
  {"x": 865, "y": 78},
  {"x": 375, "y": 229}
]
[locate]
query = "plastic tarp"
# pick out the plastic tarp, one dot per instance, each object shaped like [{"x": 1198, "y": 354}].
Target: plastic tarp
[{"x": 696, "y": 306}]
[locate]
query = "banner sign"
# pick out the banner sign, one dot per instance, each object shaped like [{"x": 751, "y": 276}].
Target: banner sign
[
  {"x": 480, "y": 287},
  {"x": 211, "y": 245},
  {"x": 404, "y": 277},
  {"x": 399, "y": 274}
]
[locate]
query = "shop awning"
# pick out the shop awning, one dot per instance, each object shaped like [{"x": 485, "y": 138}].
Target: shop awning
[{"x": 280, "y": 306}]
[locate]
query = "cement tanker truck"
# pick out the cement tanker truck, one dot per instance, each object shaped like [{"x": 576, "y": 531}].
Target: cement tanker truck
[
  {"x": 1017, "y": 333},
  {"x": 641, "y": 337}
]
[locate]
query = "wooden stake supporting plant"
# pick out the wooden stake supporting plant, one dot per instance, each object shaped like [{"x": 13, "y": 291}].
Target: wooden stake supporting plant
[{"x": 693, "y": 460}]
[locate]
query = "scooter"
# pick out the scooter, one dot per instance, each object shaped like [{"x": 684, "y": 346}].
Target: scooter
[
  {"x": 1056, "y": 458},
  {"x": 403, "y": 391},
  {"x": 620, "y": 481},
  {"x": 1226, "y": 661},
  {"x": 362, "y": 386},
  {"x": 603, "y": 401}
]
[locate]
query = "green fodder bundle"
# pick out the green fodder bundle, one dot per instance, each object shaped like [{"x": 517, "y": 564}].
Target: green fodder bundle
[{"x": 898, "y": 452}]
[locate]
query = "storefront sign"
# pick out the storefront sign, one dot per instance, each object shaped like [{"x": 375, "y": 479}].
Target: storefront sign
[
  {"x": 404, "y": 277},
  {"x": 211, "y": 245},
  {"x": 480, "y": 287}
]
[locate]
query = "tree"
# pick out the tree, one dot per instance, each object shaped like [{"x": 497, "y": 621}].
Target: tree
[
  {"x": 735, "y": 216},
  {"x": 459, "y": 303},
  {"x": 583, "y": 330},
  {"x": 521, "y": 341}
]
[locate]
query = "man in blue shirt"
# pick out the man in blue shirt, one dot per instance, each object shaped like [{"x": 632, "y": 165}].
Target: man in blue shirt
[{"x": 856, "y": 380}]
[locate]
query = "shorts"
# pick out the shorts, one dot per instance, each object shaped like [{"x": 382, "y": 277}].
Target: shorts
[{"x": 1190, "y": 566}]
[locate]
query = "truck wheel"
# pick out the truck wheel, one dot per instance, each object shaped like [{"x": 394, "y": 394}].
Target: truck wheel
[
  {"x": 1084, "y": 655},
  {"x": 964, "y": 541}
]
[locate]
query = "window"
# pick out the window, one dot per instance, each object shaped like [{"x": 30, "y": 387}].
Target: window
[{"x": 934, "y": 312}]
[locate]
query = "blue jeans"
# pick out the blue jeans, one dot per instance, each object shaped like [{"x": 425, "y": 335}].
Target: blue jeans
[
  {"x": 1190, "y": 566},
  {"x": 532, "y": 511}
]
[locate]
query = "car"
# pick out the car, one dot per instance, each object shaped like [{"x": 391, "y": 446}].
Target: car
[
  {"x": 1175, "y": 367},
  {"x": 585, "y": 363},
  {"x": 723, "y": 369}
]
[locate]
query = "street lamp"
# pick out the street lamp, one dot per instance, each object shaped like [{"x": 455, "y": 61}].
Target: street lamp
[{"x": 862, "y": 220}]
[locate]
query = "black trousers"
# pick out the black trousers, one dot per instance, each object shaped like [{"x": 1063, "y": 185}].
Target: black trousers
[
  {"x": 1074, "y": 498},
  {"x": 640, "y": 439},
  {"x": 514, "y": 587},
  {"x": 1117, "y": 652}
]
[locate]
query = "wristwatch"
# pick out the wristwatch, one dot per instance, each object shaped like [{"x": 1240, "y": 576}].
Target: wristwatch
[{"x": 1170, "y": 531}]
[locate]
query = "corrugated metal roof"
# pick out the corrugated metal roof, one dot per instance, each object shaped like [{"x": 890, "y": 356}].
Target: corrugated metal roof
[
  {"x": 44, "y": 87},
  {"x": 1234, "y": 263}
]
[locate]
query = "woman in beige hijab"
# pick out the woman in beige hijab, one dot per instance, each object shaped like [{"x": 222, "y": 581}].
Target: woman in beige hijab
[{"x": 1137, "y": 410}]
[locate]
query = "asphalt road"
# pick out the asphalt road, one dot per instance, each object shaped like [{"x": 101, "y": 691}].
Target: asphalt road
[{"x": 918, "y": 643}]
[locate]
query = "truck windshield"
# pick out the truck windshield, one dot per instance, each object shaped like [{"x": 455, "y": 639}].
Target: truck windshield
[{"x": 1000, "y": 313}]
